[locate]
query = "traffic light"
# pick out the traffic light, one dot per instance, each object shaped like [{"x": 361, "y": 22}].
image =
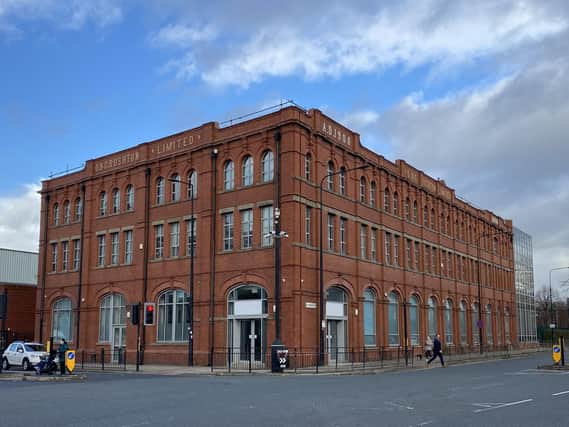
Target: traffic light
[
  {"x": 135, "y": 314},
  {"x": 149, "y": 313}
]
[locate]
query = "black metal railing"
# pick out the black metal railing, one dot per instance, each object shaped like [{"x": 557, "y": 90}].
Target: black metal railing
[{"x": 102, "y": 359}]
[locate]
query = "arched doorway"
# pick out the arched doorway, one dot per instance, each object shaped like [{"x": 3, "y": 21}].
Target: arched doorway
[
  {"x": 246, "y": 322},
  {"x": 336, "y": 323}
]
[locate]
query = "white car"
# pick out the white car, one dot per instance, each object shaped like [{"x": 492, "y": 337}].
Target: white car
[{"x": 24, "y": 354}]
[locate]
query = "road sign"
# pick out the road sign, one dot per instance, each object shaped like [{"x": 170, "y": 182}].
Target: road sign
[
  {"x": 556, "y": 354},
  {"x": 70, "y": 360},
  {"x": 552, "y": 325}
]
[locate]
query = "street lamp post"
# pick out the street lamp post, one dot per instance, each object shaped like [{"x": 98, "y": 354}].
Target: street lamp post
[
  {"x": 492, "y": 234},
  {"x": 321, "y": 264},
  {"x": 551, "y": 301},
  {"x": 191, "y": 298}
]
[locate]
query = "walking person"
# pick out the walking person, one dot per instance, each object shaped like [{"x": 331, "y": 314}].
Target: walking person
[
  {"x": 63, "y": 347},
  {"x": 437, "y": 351},
  {"x": 428, "y": 348}
]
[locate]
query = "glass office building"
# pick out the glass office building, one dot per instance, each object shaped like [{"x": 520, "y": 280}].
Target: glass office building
[{"x": 525, "y": 298}]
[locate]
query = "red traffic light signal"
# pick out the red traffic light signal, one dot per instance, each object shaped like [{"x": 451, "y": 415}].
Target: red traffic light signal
[{"x": 149, "y": 313}]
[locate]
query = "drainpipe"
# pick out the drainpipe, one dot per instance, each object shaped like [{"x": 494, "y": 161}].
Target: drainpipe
[
  {"x": 145, "y": 261},
  {"x": 81, "y": 249},
  {"x": 214, "y": 153}
]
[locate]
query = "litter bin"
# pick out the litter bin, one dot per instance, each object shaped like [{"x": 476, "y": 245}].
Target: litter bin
[{"x": 279, "y": 357}]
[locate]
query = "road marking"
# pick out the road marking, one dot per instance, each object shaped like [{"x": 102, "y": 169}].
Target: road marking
[
  {"x": 503, "y": 405},
  {"x": 425, "y": 423},
  {"x": 560, "y": 393},
  {"x": 399, "y": 405},
  {"x": 487, "y": 405}
]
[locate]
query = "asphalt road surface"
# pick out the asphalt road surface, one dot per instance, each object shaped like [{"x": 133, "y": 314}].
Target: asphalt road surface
[{"x": 498, "y": 393}]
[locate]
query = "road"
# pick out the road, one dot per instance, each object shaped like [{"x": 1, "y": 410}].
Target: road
[{"x": 498, "y": 393}]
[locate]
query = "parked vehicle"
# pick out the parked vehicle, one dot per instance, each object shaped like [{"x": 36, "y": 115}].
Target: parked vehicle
[{"x": 24, "y": 354}]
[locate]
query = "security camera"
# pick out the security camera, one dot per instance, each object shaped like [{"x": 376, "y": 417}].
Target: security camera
[{"x": 283, "y": 234}]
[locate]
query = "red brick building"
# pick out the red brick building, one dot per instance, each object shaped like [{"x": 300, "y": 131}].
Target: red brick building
[
  {"x": 395, "y": 242},
  {"x": 18, "y": 281}
]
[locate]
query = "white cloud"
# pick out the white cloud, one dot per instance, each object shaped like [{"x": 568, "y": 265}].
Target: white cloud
[
  {"x": 20, "y": 219},
  {"x": 182, "y": 35},
  {"x": 346, "y": 40}
]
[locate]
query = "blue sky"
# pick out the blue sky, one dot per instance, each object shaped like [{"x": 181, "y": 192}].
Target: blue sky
[{"x": 474, "y": 93}]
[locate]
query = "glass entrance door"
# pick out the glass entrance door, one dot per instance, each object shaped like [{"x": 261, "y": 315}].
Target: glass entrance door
[
  {"x": 250, "y": 339},
  {"x": 336, "y": 339},
  {"x": 119, "y": 343}
]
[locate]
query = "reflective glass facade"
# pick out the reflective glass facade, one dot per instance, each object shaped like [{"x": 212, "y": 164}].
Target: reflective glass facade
[{"x": 525, "y": 298}]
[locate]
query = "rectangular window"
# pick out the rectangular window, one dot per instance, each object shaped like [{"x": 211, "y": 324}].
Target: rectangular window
[
  {"x": 343, "y": 222},
  {"x": 307, "y": 225},
  {"x": 427, "y": 263},
  {"x": 449, "y": 264},
  {"x": 396, "y": 250},
  {"x": 459, "y": 267},
  {"x": 101, "y": 251},
  {"x": 330, "y": 232},
  {"x": 114, "y": 248},
  {"x": 408, "y": 254},
  {"x": 158, "y": 241},
  {"x": 76, "y": 254},
  {"x": 65, "y": 260},
  {"x": 191, "y": 231},
  {"x": 363, "y": 241},
  {"x": 267, "y": 225},
  {"x": 373, "y": 244},
  {"x": 443, "y": 262},
  {"x": 174, "y": 239},
  {"x": 434, "y": 260},
  {"x": 247, "y": 229},
  {"x": 228, "y": 232},
  {"x": 417, "y": 257},
  {"x": 54, "y": 257},
  {"x": 128, "y": 247},
  {"x": 388, "y": 248}
]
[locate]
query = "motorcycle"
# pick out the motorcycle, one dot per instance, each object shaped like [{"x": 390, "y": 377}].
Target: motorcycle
[{"x": 47, "y": 365}]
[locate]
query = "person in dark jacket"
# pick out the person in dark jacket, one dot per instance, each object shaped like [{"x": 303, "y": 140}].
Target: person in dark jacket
[
  {"x": 437, "y": 351},
  {"x": 63, "y": 347}
]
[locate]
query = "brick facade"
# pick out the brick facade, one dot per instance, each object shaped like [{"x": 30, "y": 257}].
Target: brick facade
[{"x": 385, "y": 200}]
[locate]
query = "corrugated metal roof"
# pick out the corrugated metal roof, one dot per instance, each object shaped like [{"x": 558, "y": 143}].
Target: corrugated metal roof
[{"x": 18, "y": 267}]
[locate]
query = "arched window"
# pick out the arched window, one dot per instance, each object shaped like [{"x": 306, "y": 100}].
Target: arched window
[
  {"x": 369, "y": 317},
  {"x": 414, "y": 319},
  {"x": 247, "y": 293},
  {"x": 228, "y": 175},
  {"x": 111, "y": 313},
  {"x": 175, "y": 187},
  {"x": 62, "y": 319},
  {"x": 489, "y": 324},
  {"x": 267, "y": 166},
  {"x": 432, "y": 317},
  {"x": 395, "y": 203},
  {"x": 330, "y": 176},
  {"x": 193, "y": 180},
  {"x": 386, "y": 196},
  {"x": 56, "y": 214},
  {"x": 372, "y": 191},
  {"x": 308, "y": 166},
  {"x": 129, "y": 197},
  {"x": 415, "y": 213},
  {"x": 159, "y": 190},
  {"x": 172, "y": 316},
  {"x": 393, "y": 319},
  {"x": 103, "y": 203},
  {"x": 407, "y": 209},
  {"x": 363, "y": 190},
  {"x": 116, "y": 201},
  {"x": 462, "y": 322},
  {"x": 66, "y": 212},
  {"x": 78, "y": 208},
  {"x": 475, "y": 326},
  {"x": 448, "y": 322},
  {"x": 247, "y": 171}
]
